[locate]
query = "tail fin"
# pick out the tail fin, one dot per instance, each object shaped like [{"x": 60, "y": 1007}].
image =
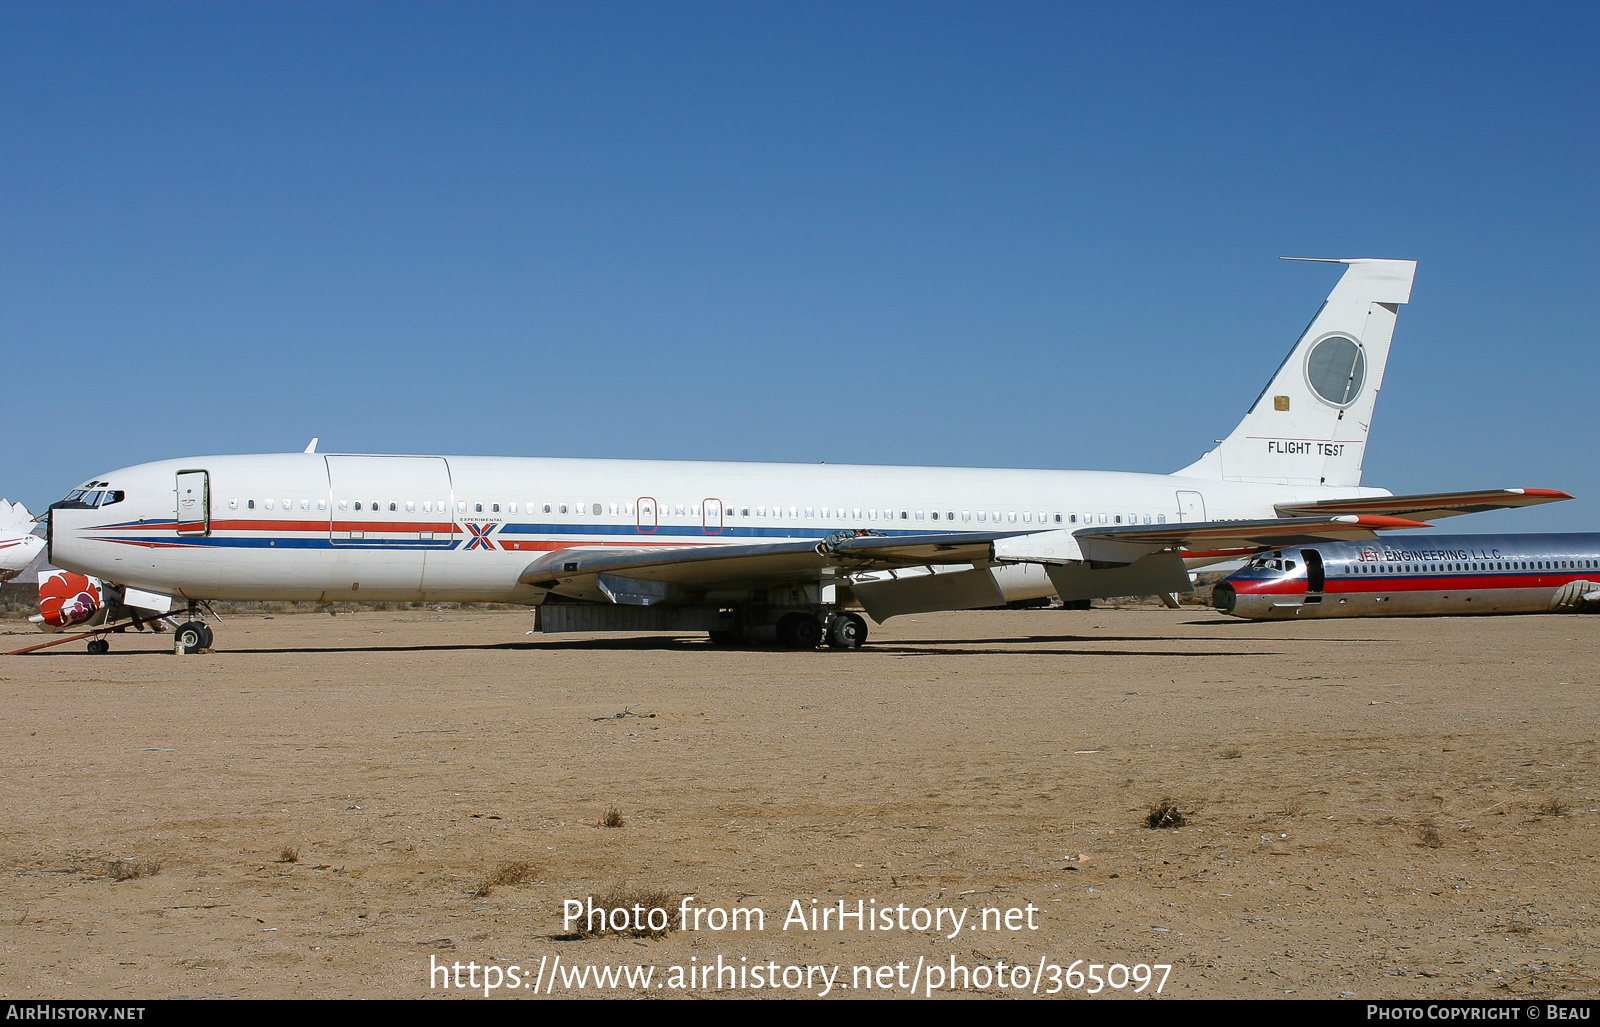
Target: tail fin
[{"x": 1309, "y": 425}]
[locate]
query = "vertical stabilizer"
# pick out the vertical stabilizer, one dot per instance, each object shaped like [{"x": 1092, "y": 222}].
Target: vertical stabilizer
[{"x": 1309, "y": 426}]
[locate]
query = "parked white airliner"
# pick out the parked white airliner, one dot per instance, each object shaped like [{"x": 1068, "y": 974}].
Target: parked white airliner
[
  {"x": 761, "y": 551},
  {"x": 18, "y": 544}
]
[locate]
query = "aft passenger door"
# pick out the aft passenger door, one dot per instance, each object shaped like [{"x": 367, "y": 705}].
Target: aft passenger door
[{"x": 1191, "y": 507}]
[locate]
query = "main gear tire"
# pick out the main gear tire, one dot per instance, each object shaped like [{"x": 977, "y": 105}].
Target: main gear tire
[{"x": 847, "y": 631}]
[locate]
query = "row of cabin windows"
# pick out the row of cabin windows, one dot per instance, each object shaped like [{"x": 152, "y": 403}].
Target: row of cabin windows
[
  {"x": 272, "y": 504},
  {"x": 728, "y": 510},
  {"x": 1493, "y": 565}
]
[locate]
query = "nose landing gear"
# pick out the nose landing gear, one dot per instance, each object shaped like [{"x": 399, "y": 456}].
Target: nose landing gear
[{"x": 192, "y": 637}]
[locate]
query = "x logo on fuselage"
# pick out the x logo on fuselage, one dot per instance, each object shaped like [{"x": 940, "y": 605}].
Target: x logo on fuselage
[{"x": 480, "y": 536}]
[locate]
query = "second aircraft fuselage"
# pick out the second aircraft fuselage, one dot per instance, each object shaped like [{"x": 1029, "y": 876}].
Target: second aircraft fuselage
[{"x": 1419, "y": 575}]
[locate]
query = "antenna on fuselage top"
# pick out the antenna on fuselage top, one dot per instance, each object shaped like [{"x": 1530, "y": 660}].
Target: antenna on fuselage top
[{"x": 313, "y": 447}]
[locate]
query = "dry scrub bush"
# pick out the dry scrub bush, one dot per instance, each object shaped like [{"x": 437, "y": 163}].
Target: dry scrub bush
[
  {"x": 508, "y": 874},
  {"x": 1165, "y": 814},
  {"x": 132, "y": 869}
]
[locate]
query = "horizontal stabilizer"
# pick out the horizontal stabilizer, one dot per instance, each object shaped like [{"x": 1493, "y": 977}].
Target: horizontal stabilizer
[
  {"x": 1126, "y": 544},
  {"x": 1426, "y": 507}
]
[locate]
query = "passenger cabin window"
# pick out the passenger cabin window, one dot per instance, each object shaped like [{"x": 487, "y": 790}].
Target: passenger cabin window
[{"x": 251, "y": 505}]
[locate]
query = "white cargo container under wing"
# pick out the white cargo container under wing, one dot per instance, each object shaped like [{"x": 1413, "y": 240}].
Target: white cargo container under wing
[{"x": 757, "y": 551}]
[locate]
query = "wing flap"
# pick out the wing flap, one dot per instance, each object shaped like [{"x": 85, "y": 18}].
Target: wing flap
[
  {"x": 957, "y": 590},
  {"x": 1151, "y": 574},
  {"x": 577, "y": 572}
]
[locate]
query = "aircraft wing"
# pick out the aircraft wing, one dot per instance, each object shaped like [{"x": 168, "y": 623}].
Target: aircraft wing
[
  {"x": 646, "y": 576},
  {"x": 1427, "y": 507}
]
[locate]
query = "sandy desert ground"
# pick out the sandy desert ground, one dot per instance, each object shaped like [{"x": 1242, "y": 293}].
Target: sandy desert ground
[{"x": 1379, "y": 808}]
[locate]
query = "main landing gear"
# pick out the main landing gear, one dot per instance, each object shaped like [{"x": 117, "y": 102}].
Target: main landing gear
[
  {"x": 847, "y": 631},
  {"x": 798, "y": 630}
]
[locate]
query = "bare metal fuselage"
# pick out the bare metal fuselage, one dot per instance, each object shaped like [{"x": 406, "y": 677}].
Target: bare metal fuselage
[{"x": 1426, "y": 575}]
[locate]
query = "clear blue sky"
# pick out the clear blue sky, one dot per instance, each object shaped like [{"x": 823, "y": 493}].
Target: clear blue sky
[{"x": 1037, "y": 235}]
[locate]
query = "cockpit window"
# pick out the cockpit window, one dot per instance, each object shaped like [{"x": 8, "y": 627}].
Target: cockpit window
[{"x": 85, "y": 499}]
